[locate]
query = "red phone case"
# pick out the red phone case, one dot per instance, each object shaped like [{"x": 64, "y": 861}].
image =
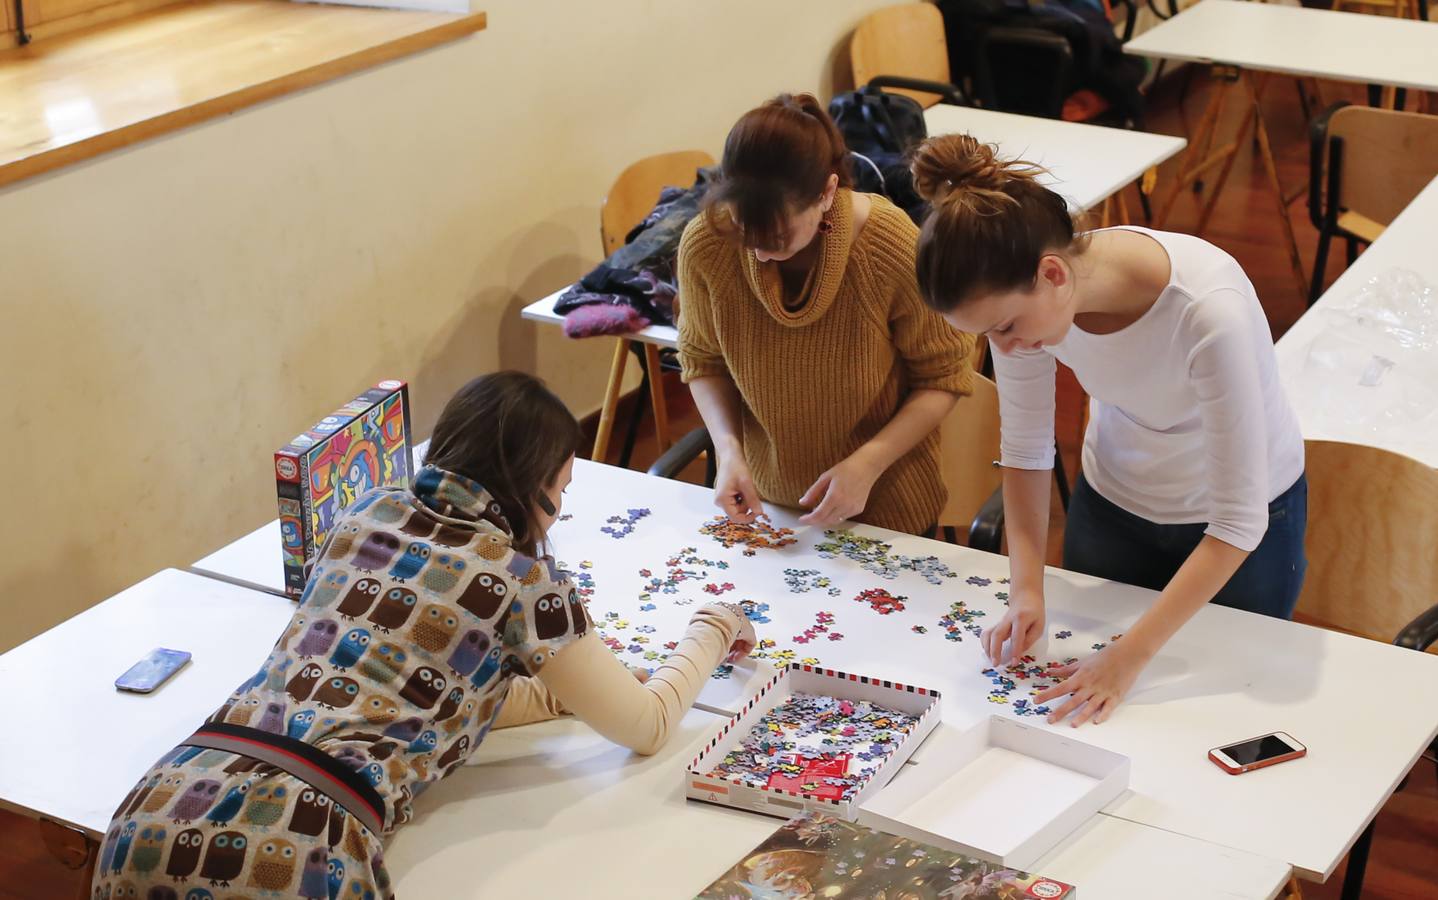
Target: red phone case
[{"x": 1261, "y": 764}]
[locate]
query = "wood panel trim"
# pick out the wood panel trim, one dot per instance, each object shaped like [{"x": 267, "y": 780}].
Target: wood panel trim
[{"x": 448, "y": 27}]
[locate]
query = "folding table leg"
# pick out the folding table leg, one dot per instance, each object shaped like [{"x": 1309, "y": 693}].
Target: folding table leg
[
  {"x": 1358, "y": 864},
  {"x": 1195, "y": 157},
  {"x": 611, "y": 401},
  {"x": 1212, "y": 201},
  {"x": 656, "y": 394},
  {"x": 1265, "y": 150}
]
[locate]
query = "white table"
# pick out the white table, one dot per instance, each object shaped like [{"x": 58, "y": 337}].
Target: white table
[
  {"x": 1408, "y": 243},
  {"x": 255, "y": 560},
  {"x": 1240, "y": 37},
  {"x": 73, "y": 745},
  {"x": 1225, "y": 676},
  {"x": 1087, "y": 163},
  {"x": 528, "y": 792},
  {"x": 554, "y": 810},
  {"x": 1365, "y": 709},
  {"x": 1296, "y": 40}
]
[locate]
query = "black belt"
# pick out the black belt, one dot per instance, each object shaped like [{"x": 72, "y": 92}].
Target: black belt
[{"x": 306, "y": 762}]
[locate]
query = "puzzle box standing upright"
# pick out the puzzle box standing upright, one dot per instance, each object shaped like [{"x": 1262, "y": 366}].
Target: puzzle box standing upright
[{"x": 362, "y": 445}]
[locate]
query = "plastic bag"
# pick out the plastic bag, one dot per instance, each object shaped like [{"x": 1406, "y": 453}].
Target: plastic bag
[{"x": 1374, "y": 366}]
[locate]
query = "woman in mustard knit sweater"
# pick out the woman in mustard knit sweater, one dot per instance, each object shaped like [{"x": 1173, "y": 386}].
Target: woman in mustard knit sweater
[{"x": 820, "y": 373}]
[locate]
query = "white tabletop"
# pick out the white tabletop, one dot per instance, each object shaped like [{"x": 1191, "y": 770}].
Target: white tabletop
[
  {"x": 1409, "y": 244},
  {"x": 1087, "y": 163},
  {"x": 1299, "y": 41},
  {"x": 555, "y": 791},
  {"x": 73, "y": 745},
  {"x": 542, "y": 310},
  {"x": 1112, "y": 859},
  {"x": 1365, "y": 709},
  {"x": 255, "y": 560},
  {"x": 560, "y": 785}
]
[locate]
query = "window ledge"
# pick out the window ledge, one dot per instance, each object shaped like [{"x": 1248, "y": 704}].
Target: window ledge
[{"x": 75, "y": 97}]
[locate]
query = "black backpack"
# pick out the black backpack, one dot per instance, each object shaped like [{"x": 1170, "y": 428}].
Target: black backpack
[{"x": 873, "y": 121}]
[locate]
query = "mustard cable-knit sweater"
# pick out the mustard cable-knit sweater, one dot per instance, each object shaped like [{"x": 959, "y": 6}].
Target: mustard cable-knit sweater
[{"x": 820, "y": 380}]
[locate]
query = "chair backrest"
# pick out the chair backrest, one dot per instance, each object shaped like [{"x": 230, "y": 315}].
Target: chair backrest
[
  {"x": 968, "y": 446},
  {"x": 1399, "y": 8},
  {"x": 1388, "y": 158},
  {"x": 637, "y": 188},
  {"x": 907, "y": 39},
  {"x": 1372, "y": 539}
]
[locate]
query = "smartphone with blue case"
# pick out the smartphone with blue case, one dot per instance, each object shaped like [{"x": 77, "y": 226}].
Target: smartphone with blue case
[{"x": 152, "y": 671}]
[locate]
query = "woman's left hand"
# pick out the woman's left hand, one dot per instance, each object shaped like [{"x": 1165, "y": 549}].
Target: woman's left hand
[
  {"x": 840, "y": 493},
  {"x": 1093, "y": 687}
]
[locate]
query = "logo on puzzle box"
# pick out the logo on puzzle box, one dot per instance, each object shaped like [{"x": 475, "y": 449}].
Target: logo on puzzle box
[
  {"x": 287, "y": 468},
  {"x": 1043, "y": 889},
  {"x": 390, "y": 385}
]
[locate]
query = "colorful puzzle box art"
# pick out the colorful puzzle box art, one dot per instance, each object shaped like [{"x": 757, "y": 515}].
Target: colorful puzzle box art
[
  {"x": 362, "y": 445},
  {"x": 815, "y": 855}
]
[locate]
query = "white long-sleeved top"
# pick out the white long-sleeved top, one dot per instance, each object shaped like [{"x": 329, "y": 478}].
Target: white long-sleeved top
[{"x": 1188, "y": 420}]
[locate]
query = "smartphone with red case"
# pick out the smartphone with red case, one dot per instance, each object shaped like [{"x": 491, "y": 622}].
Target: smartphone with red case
[{"x": 1257, "y": 753}]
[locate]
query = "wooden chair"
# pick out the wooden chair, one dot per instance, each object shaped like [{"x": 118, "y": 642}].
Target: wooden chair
[
  {"x": 903, "y": 49},
  {"x": 1402, "y": 9},
  {"x": 968, "y": 447},
  {"x": 1372, "y": 566},
  {"x": 1365, "y": 166},
  {"x": 629, "y": 200},
  {"x": 1372, "y": 534}
]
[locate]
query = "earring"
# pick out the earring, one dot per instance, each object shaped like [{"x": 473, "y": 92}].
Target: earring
[{"x": 825, "y": 224}]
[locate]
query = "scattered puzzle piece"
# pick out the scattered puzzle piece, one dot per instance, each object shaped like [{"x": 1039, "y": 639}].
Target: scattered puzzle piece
[
  {"x": 959, "y": 620},
  {"x": 874, "y": 556},
  {"x": 881, "y": 601},
  {"x": 625, "y": 522},
  {"x": 759, "y": 535}
]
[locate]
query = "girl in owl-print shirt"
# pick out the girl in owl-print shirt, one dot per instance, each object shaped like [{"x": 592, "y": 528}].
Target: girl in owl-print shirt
[{"x": 430, "y": 618}]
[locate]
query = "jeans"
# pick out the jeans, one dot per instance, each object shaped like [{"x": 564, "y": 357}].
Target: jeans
[{"x": 1103, "y": 540}]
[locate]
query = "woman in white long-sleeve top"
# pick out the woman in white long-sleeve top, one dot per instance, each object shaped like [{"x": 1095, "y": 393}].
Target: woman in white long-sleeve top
[{"x": 1192, "y": 479}]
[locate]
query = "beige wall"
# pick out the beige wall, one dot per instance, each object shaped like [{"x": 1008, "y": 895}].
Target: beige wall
[{"x": 174, "y": 312}]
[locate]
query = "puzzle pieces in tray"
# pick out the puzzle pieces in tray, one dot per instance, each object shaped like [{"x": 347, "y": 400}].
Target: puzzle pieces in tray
[{"x": 817, "y": 745}]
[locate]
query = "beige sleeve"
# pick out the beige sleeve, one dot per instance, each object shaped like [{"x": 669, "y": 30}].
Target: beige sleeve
[
  {"x": 528, "y": 701},
  {"x": 590, "y": 682}
]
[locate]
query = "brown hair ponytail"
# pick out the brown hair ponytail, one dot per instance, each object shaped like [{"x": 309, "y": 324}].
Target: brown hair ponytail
[
  {"x": 777, "y": 159},
  {"x": 990, "y": 224}
]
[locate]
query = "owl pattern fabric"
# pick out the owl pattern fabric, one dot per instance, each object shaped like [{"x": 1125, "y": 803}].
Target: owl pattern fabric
[{"x": 417, "y": 616}]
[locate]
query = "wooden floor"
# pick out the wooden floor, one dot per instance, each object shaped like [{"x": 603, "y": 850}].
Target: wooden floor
[{"x": 1404, "y": 861}]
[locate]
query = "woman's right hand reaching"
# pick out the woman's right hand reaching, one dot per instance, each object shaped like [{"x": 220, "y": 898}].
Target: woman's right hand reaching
[
  {"x": 734, "y": 490},
  {"x": 1019, "y": 629}
]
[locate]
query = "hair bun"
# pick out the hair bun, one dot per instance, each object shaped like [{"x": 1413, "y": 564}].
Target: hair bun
[{"x": 951, "y": 163}]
